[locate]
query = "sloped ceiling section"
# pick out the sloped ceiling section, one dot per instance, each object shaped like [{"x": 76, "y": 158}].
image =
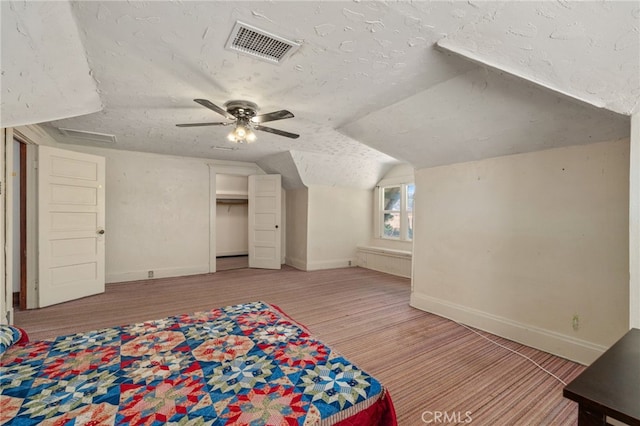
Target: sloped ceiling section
[
  {"x": 343, "y": 171},
  {"x": 45, "y": 75},
  {"x": 481, "y": 114},
  {"x": 548, "y": 74},
  {"x": 589, "y": 50},
  {"x": 302, "y": 168},
  {"x": 282, "y": 164}
]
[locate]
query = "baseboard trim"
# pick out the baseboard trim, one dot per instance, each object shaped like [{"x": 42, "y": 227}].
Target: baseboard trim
[
  {"x": 316, "y": 266},
  {"x": 296, "y": 263},
  {"x": 386, "y": 271},
  {"x": 331, "y": 264},
  {"x": 232, "y": 253},
  {"x": 568, "y": 347},
  {"x": 157, "y": 273}
]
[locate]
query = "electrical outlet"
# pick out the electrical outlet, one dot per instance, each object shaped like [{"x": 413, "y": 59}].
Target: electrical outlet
[
  {"x": 150, "y": 274},
  {"x": 575, "y": 322}
]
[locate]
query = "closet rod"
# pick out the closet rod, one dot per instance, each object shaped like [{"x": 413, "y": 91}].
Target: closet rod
[{"x": 231, "y": 201}]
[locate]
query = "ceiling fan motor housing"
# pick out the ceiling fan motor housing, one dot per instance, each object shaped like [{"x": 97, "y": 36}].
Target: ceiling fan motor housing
[{"x": 243, "y": 110}]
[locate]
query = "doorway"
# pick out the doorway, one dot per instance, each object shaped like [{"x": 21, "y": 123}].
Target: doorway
[{"x": 19, "y": 243}]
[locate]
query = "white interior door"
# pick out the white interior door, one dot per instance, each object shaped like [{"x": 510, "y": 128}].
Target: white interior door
[
  {"x": 264, "y": 221},
  {"x": 71, "y": 219}
]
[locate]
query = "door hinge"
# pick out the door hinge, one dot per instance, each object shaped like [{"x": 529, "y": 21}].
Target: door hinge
[
  {"x": 0, "y": 187},
  {"x": 35, "y": 164}
]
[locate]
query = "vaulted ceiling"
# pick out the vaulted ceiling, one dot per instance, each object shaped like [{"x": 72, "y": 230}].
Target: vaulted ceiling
[{"x": 372, "y": 84}]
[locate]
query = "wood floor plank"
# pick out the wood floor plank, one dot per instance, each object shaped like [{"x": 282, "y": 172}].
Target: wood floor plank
[{"x": 427, "y": 362}]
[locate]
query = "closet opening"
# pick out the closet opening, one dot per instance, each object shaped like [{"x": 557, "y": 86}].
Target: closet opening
[{"x": 232, "y": 222}]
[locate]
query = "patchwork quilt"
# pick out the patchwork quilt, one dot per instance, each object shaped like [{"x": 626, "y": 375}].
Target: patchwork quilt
[{"x": 244, "y": 364}]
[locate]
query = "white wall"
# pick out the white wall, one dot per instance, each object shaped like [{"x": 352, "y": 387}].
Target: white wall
[
  {"x": 232, "y": 229},
  {"x": 158, "y": 213},
  {"x": 232, "y": 186},
  {"x": 296, "y": 210},
  {"x": 339, "y": 219},
  {"x": 157, "y": 216},
  {"x": 518, "y": 245},
  {"x": 634, "y": 223}
]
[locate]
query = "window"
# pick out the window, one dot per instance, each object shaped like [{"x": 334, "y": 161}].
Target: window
[{"x": 397, "y": 211}]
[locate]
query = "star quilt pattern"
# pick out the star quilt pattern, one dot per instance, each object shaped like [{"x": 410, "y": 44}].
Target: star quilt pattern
[{"x": 243, "y": 364}]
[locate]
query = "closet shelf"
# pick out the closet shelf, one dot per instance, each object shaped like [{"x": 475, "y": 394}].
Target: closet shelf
[{"x": 232, "y": 201}]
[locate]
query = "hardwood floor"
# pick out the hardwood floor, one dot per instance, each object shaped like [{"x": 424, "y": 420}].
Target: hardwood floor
[
  {"x": 224, "y": 263},
  {"x": 431, "y": 366}
]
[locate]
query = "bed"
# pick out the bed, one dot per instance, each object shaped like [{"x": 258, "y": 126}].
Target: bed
[{"x": 241, "y": 364}]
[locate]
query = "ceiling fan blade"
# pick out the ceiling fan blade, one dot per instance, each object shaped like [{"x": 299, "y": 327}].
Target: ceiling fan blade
[
  {"x": 276, "y": 131},
  {"x": 202, "y": 124},
  {"x": 213, "y": 107},
  {"x": 272, "y": 116}
]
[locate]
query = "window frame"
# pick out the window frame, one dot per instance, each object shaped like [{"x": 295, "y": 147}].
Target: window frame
[{"x": 403, "y": 184}]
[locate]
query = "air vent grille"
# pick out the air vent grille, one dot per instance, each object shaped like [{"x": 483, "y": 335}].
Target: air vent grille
[
  {"x": 88, "y": 136},
  {"x": 260, "y": 44}
]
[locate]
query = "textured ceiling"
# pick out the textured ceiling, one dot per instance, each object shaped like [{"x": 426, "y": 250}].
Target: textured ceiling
[
  {"x": 482, "y": 114},
  {"x": 35, "y": 88},
  {"x": 368, "y": 86}
]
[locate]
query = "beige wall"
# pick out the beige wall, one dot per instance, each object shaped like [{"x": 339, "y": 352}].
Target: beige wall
[
  {"x": 339, "y": 219},
  {"x": 519, "y": 245},
  {"x": 296, "y": 227}
]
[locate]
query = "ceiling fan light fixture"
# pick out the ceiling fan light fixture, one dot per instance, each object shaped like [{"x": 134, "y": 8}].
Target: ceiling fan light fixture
[
  {"x": 245, "y": 119},
  {"x": 242, "y": 134},
  {"x": 251, "y": 137}
]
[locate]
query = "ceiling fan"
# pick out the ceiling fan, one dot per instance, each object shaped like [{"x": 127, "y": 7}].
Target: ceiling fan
[{"x": 243, "y": 114}]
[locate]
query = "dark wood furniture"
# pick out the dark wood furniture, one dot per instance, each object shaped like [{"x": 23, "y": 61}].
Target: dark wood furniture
[{"x": 611, "y": 385}]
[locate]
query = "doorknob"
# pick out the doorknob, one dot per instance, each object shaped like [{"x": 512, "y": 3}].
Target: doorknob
[
  {"x": 100, "y": 231},
  {"x": 276, "y": 226}
]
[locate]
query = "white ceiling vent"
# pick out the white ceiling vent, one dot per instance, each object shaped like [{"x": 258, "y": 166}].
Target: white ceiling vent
[
  {"x": 260, "y": 44},
  {"x": 88, "y": 136}
]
